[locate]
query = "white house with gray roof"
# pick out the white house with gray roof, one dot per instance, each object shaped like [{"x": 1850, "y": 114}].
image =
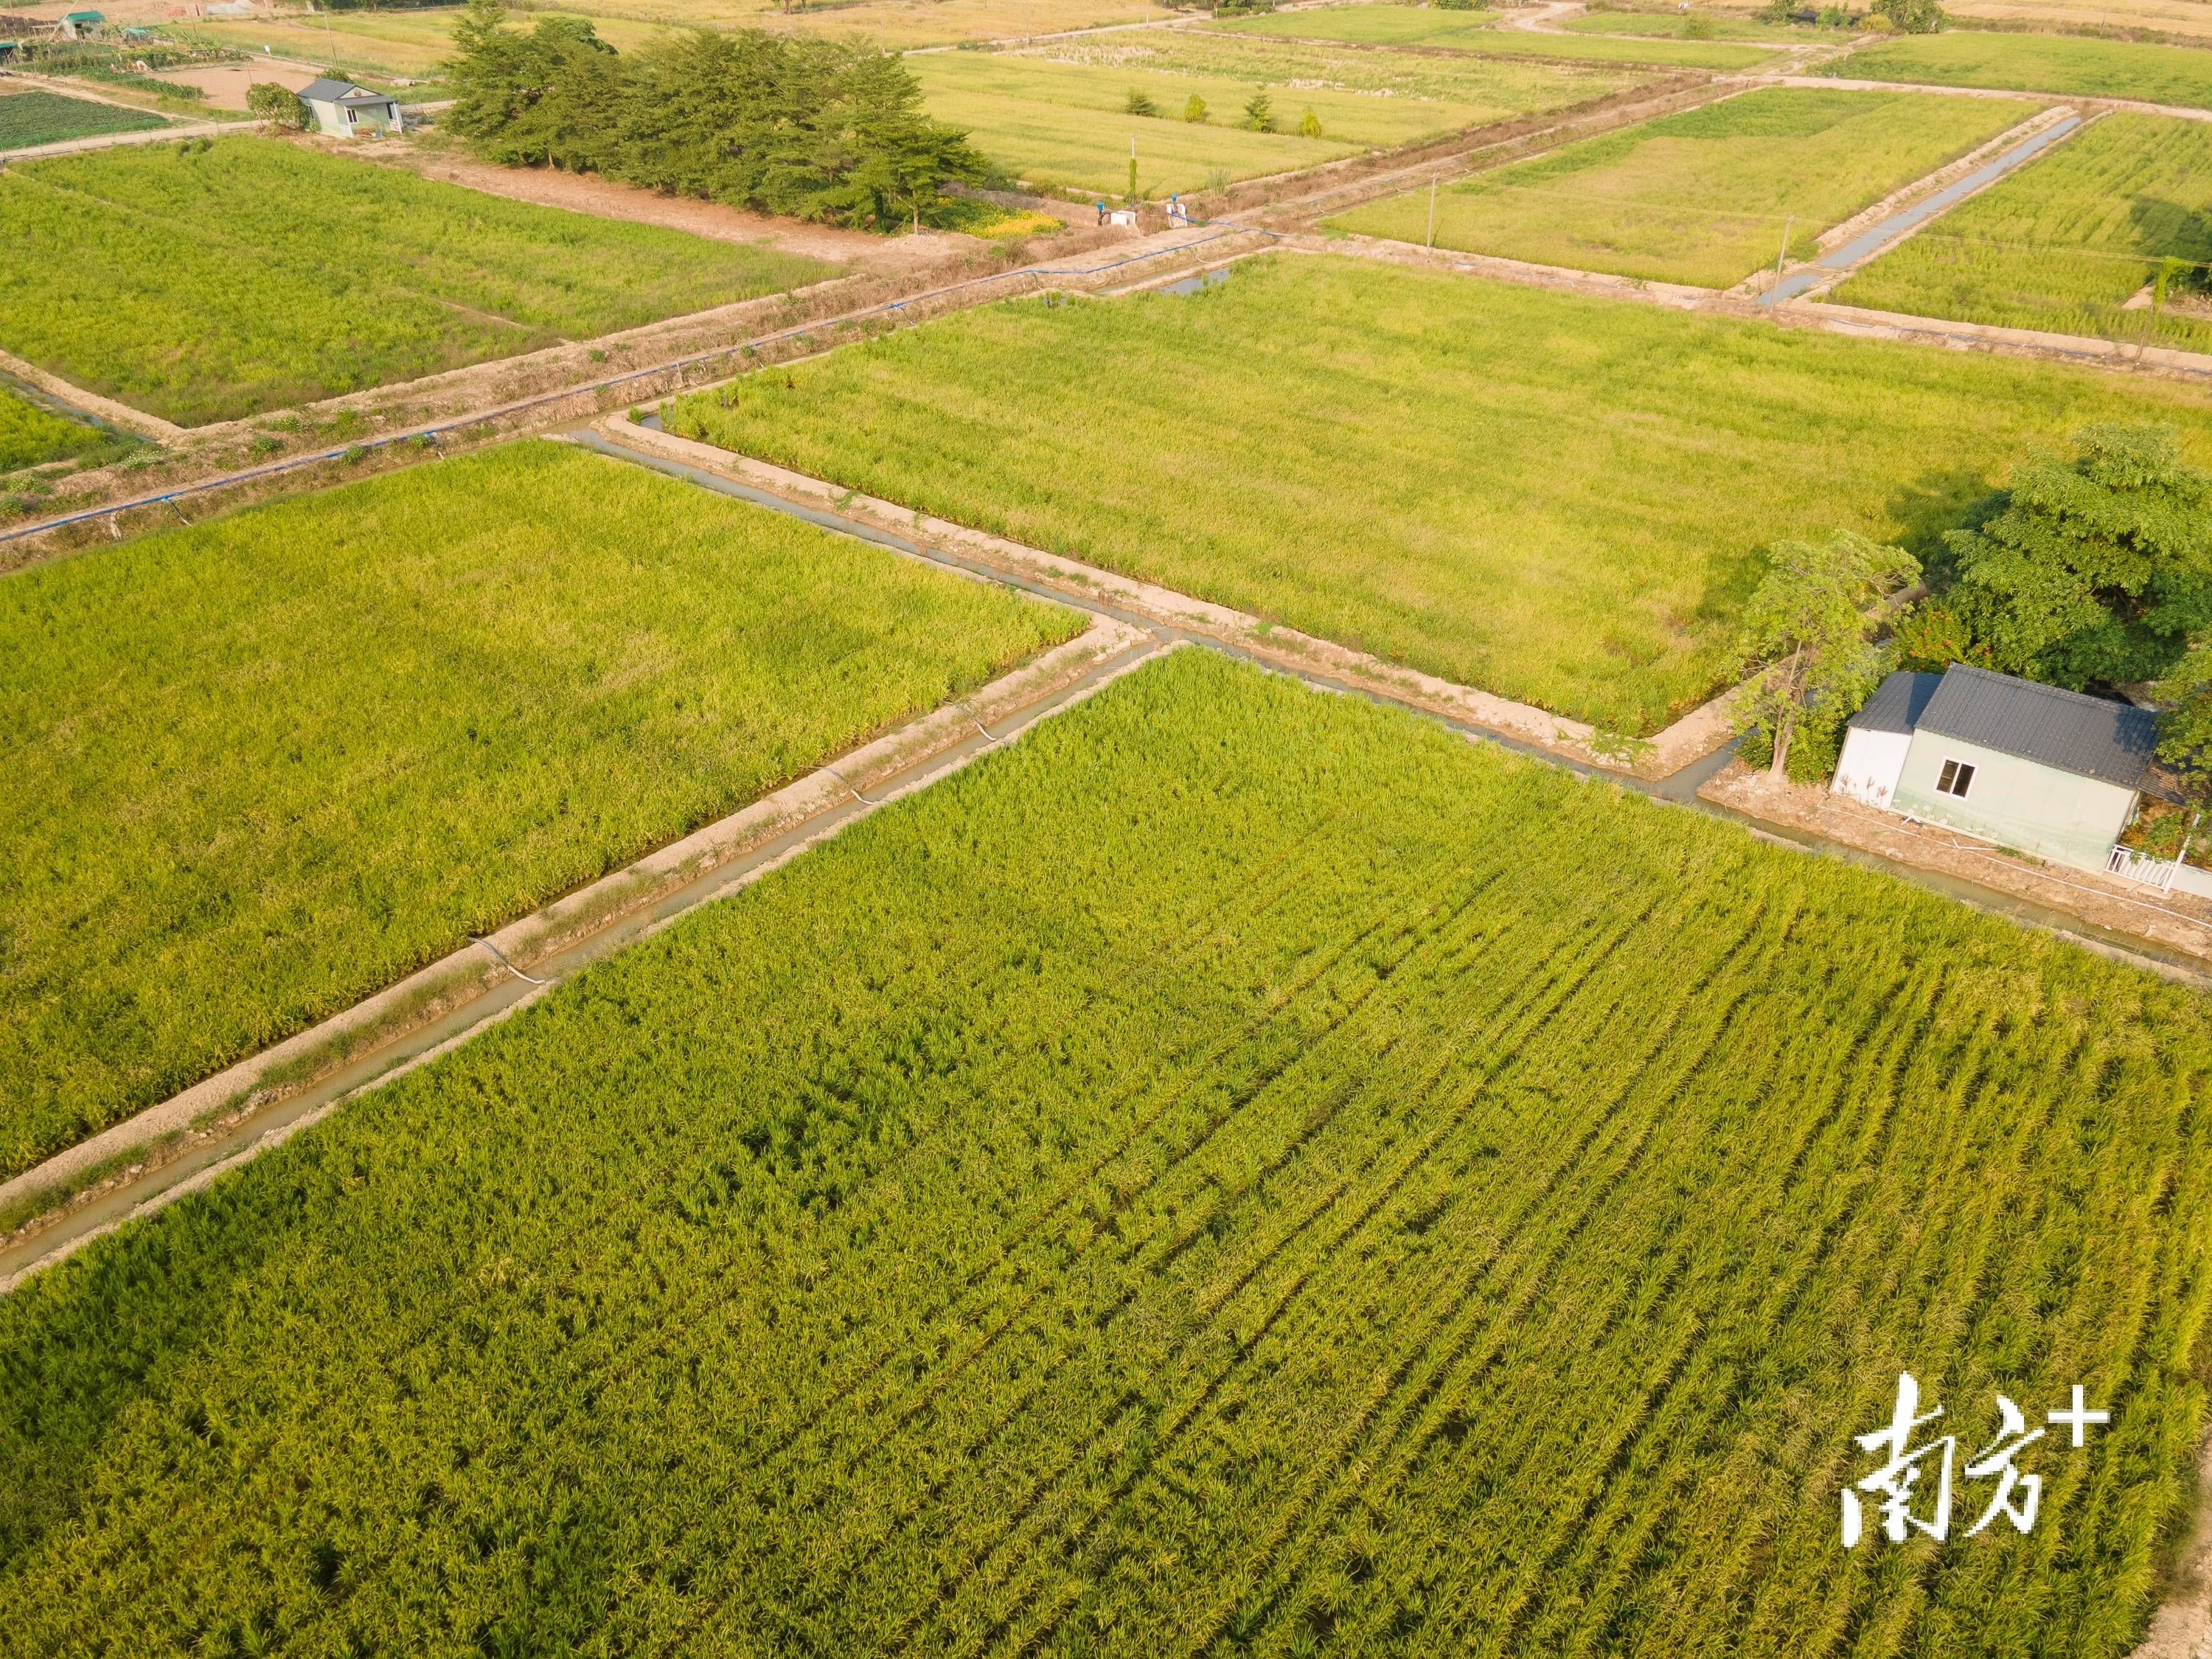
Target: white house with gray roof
[
  {"x": 345, "y": 111},
  {"x": 2033, "y": 766}
]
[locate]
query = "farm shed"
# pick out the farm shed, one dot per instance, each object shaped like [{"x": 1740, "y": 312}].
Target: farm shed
[
  {"x": 346, "y": 111},
  {"x": 80, "y": 25},
  {"x": 2033, "y": 766}
]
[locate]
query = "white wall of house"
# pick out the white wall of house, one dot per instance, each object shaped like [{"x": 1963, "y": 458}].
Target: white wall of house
[{"x": 1870, "y": 764}]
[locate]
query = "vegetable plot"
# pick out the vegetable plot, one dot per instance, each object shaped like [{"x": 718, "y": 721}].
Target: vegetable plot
[{"x": 1240, "y": 1170}]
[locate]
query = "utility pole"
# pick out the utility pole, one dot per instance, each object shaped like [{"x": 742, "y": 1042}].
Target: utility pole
[
  {"x": 1783, "y": 253},
  {"x": 1133, "y": 167},
  {"x": 1432, "y": 213}
]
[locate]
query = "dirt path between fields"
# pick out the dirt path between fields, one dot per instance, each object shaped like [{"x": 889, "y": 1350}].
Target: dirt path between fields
[{"x": 580, "y": 192}]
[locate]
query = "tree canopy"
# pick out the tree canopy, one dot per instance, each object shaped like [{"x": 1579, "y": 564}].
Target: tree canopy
[
  {"x": 815, "y": 128},
  {"x": 2096, "y": 571}
]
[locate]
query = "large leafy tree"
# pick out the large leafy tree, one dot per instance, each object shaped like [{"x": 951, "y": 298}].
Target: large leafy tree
[
  {"x": 2093, "y": 571},
  {"x": 1806, "y": 629},
  {"x": 818, "y": 129}
]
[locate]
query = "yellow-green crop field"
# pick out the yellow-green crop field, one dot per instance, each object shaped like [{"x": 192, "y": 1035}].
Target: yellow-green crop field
[
  {"x": 2068, "y": 65},
  {"x": 1382, "y": 25},
  {"x": 2064, "y": 243},
  {"x": 1558, "y": 499},
  {"x": 205, "y": 283},
  {"x": 411, "y": 43},
  {"x": 2184, "y": 18},
  {"x": 1057, "y": 115},
  {"x": 31, "y": 434},
  {"x": 261, "y": 767},
  {"x": 1238, "y": 1172},
  {"x": 1699, "y": 23},
  {"x": 1704, "y": 197}
]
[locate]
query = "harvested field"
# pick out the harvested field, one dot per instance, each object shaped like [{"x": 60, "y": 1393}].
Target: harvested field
[
  {"x": 2068, "y": 64},
  {"x": 218, "y": 280},
  {"x": 264, "y": 767},
  {"x": 1705, "y": 195},
  {"x": 1558, "y": 499},
  {"x": 2068, "y": 242},
  {"x": 1240, "y": 1170}
]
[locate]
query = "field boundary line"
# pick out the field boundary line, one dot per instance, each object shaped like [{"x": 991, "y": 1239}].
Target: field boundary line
[
  {"x": 134, "y": 421},
  {"x": 1689, "y": 738},
  {"x": 464, "y": 974},
  {"x": 2179, "y": 112},
  {"x": 735, "y": 350}
]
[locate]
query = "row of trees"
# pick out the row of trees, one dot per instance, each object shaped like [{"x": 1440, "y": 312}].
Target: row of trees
[
  {"x": 2093, "y": 573},
  {"x": 814, "y": 129}
]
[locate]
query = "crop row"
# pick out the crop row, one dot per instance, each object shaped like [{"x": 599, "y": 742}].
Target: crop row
[{"x": 1239, "y": 1171}]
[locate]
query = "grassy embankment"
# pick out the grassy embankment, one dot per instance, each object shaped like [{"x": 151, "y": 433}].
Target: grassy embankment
[
  {"x": 1705, "y": 195},
  {"x": 2070, "y": 65},
  {"x": 208, "y": 283},
  {"x": 262, "y": 766},
  {"x": 1558, "y": 499},
  {"x": 2063, "y": 244},
  {"x": 1240, "y": 1170}
]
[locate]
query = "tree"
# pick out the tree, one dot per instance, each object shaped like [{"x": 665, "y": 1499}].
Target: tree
[
  {"x": 1194, "y": 111},
  {"x": 1912, "y": 16},
  {"x": 1139, "y": 102},
  {"x": 1309, "y": 125},
  {"x": 2096, "y": 571},
  {"x": 2185, "y": 724},
  {"x": 278, "y": 105},
  {"x": 1259, "y": 111},
  {"x": 1807, "y": 623}
]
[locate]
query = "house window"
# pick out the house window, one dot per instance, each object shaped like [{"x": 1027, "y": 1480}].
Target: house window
[
  {"x": 1955, "y": 779},
  {"x": 352, "y": 115}
]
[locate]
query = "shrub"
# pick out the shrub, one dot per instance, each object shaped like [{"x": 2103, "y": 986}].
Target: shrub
[
  {"x": 1140, "y": 102},
  {"x": 1260, "y": 113},
  {"x": 1913, "y": 17},
  {"x": 278, "y": 105},
  {"x": 1309, "y": 125},
  {"x": 1194, "y": 111}
]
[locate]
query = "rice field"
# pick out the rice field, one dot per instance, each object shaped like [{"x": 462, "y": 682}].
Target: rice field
[
  {"x": 1558, "y": 499},
  {"x": 2176, "y": 17},
  {"x": 896, "y": 24},
  {"x": 1704, "y": 197},
  {"x": 2069, "y": 243},
  {"x": 209, "y": 283},
  {"x": 265, "y": 766},
  {"x": 29, "y": 119},
  {"x": 1697, "y": 24},
  {"x": 2070, "y": 65},
  {"x": 1241, "y": 1170},
  {"x": 31, "y": 434},
  {"x": 412, "y": 44},
  {"x": 1374, "y": 25}
]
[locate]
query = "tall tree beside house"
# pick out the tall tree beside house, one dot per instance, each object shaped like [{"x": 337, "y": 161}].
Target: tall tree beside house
[
  {"x": 1808, "y": 624},
  {"x": 2093, "y": 571},
  {"x": 816, "y": 129},
  {"x": 2184, "y": 724}
]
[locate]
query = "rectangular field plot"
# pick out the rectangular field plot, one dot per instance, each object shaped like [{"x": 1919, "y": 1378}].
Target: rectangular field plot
[
  {"x": 1700, "y": 25},
  {"x": 413, "y": 43},
  {"x": 1239, "y": 1171},
  {"x": 1704, "y": 197},
  {"x": 2069, "y": 243},
  {"x": 1484, "y": 32},
  {"x": 2068, "y": 65},
  {"x": 264, "y": 767},
  {"x": 1558, "y": 499},
  {"x": 2183, "y": 17},
  {"x": 205, "y": 284},
  {"x": 46, "y": 118},
  {"x": 1058, "y": 115}
]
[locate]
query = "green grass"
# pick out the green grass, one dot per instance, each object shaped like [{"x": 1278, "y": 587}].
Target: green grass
[
  {"x": 2068, "y": 64},
  {"x": 261, "y": 767},
  {"x": 1558, "y": 499},
  {"x": 47, "y": 118},
  {"x": 30, "y": 435},
  {"x": 1481, "y": 32},
  {"x": 1240, "y": 1170},
  {"x": 1057, "y": 115},
  {"x": 2063, "y": 243},
  {"x": 205, "y": 284},
  {"x": 1702, "y": 197},
  {"x": 1699, "y": 25}
]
